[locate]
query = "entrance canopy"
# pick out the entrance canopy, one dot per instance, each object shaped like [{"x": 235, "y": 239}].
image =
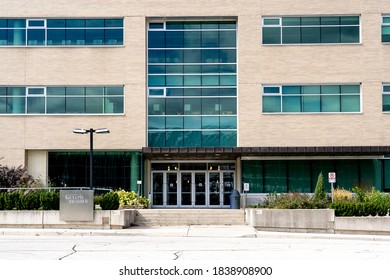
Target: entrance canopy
[{"x": 234, "y": 153}]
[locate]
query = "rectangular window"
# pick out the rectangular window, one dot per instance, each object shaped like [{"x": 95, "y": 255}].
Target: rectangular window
[
  {"x": 62, "y": 100},
  {"x": 311, "y": 99},
  {"x": 60, "y": 32},
  {"x": 311, "y": 30},
  {"x": 386, "y": 98},
  {"x": 386, "y": 29}
]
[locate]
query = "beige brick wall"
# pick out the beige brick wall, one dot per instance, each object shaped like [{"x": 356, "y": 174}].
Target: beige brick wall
[{"x": 367, "y": 63}]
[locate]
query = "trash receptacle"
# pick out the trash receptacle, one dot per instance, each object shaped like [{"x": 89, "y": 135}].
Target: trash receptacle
[{"x": 235, "y": 200}]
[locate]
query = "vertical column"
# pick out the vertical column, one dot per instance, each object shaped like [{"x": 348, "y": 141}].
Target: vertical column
[
  {"x": 238, "y": 175},
  {"x": 134, "y": 171},
  {"x": 37, "y": 165}
]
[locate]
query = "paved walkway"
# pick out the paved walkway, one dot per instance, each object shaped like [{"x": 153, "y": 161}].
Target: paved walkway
[{"x": 187, "y": 231}]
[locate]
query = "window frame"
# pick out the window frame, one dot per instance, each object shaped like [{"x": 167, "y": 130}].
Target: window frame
[
  {"x": 281, "y": 26},
  {"x": 281, "y": 95}
]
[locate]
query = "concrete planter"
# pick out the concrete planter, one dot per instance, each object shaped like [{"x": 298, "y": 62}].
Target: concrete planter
[
  {"x": 103, "y": 219},
  {"x": 293, "y": 220},
  {"x": 362, "y": 225}
]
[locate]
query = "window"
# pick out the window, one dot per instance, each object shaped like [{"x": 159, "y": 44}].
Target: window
[
  {"x": 311, "y": 99},
  {"x": 192, "y": 84},
  {"x": 386, "y": 98},
  {"x": 311, "y": 30},
  {"x": 386, "y": 29},
  {"x": 62, "y": 100},
  {"x": 60, "y": 32}
]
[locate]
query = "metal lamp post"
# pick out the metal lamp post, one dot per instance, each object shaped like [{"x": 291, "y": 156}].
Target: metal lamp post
[{"x": 91, "y": 131}]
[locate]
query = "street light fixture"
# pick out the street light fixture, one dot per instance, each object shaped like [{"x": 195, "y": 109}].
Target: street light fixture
[{"x": 91, "y": 131}]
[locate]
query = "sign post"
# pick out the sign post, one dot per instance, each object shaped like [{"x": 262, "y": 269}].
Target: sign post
[
  {"x": 246, "y": 190},
  {"x": 332, "y": 180}
]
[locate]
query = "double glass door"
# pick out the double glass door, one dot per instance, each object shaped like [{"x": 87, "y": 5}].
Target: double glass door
[{"x": 192, "y": 188}]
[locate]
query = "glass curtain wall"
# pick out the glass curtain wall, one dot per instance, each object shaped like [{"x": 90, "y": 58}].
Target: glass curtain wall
[
  {"x": 281, "y": 176},
  {"x": 192, "y": 84},
  {"x": 113, "y": 170}
]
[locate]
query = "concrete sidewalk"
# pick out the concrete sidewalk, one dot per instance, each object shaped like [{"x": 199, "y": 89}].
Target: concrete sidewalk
[{"x": 233, "y": 231}]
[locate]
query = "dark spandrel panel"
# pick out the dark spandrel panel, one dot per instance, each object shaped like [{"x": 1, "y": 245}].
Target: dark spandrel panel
[
  {"x": 291, "y": 21},
  {"x": 94, "y": 23},
  {"x": 55, "y": 23},
  {"x": 113, "y": 22},
  {"x": 75, "y": 23}
]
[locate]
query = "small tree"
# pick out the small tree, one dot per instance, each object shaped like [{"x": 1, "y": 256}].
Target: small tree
[{"x": 319, "y": 193}]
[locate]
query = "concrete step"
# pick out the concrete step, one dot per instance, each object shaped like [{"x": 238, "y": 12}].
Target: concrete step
[{"x": 184, "y": 217}]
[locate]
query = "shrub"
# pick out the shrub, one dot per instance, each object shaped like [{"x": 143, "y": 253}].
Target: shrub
[
  {"x": 49, "y": 200},
  {"x": 12, "y": 200},
  {"x": 97, "y": 200},
  {"x": 319, "y": 192},
  {"x": 16, "y": 177},
  {"x": 130, "y": 199},
  {"x": 342, "y": 195},
  {"x": 354, "y": 208},
  {"x": 2, "y": 195},
  {"x": 110, "y": 201},
  {"x": 294, "y": 201},
  {"x": 30, "y": 200}
]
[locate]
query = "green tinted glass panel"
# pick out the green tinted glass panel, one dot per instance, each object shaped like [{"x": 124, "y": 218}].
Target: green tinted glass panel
[
  {"x": 156, "y": 81},
  {"x": 36, "y": 37},
  {"x": 192, "y": 122},
  {"x": 96, "y": 91},
  {"x": 311, "y": 104},
  {"x": 386, "y": 103},
  {"x": 347, "y": 173},
  {"x": 311, "y": 89},
  {"x": 350, "y": 89},
  {"x": 311, "y": 35},
  {"x": 56, "y": 105},
  {"x": 174, "y": 69},
  {"x": 174, "y": 139},
  {"x": 291, "y": 104},
  {"x": 174, "y": 80},
  {"x": 271, "y": 21},
  {"x": 275, "y": 176},
  {"x": 349, "y": 20},
  {"x": 371, "y": 173},
  {"x": 330, "y": 20},
  {"x": 228, "y": 138},
  {"x": 156, "y": 39},
  {"x": 310, "y": 21},
  {"x": 35, "y": 105},
  {"x": 174, "y": 123},
  {"x": 210, "y": 39},
  {"x": 228, "y": 106},
  {"x": 349, "y": 34},
  {"x": 75, "y": 105},
  {"x": 291, "y": 90},
  {"x": 94, "y": 105},
  {"x": 174, "y": 39},
  {"x": 3, "y": 105},
  {"x": 192, "y": 138},
  {"x": 210, "y": 122},
  {"x": 16, "y": 91},
  {"x": 252, "y": 173},
  {"x": 385, "y": 34},
  {"x": 192, "y": 106},
  {"x": 330, "y": 89},
  {"x": 156, "y": 106},
  {"x": 330, "y": 35},
  {"x": 271, "y": 104},
  {"x": 210, "y": 106},
  {"x": 291, "y": 21},
  {"x": 227, "y": 39},
  {"x": 113, "y": 105},
  {"x": 156, "y": 123},
  {"x": 192, "y": 80},
  {"x": 16, "y": 105},
  {"x": 75, "y": 91},
  {"x": 271, "y": 35},
  {"x": 291, "y": 35},
  {"x": 210, "y": 139},
  {"x": 350, "y": 103},
  {"x": 299, "y": 176},
  {"x": 330, "y": 103},
  {"x": 156, "y": 139},
  {"x": 228, "y": 122},
  {"x": 174, "y": 106}
]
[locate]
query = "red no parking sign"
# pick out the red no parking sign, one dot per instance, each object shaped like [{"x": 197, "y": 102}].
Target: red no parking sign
[{"x": 332, "y": 177}]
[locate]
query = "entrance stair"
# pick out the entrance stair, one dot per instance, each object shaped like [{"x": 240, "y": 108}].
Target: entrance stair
[{"x": 187, "y": 217}]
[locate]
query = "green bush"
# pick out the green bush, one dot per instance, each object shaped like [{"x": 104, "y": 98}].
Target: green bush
[
  {"x": 319, "y": 192},
  {"x": 12, "y": 200},
  {"x": 130, "y": 199},
  {"x": 49, "y": 200},
  {"x": 345, "y": 208},
  {"x": 97, "y": 200},
  {"x": 110, "y": 201},
  {"x": 2, "y": 195},
  {"x": 30, "y": 200},
  {"x": 294, "y": 201}
]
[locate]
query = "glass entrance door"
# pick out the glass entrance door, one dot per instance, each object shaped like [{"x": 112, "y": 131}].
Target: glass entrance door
[
  {"x": 186, "y": 188},
  {"x": 221, "y": 184},
  {"x": 200, "y": 188},
  {"x": 171, "y": 188}
]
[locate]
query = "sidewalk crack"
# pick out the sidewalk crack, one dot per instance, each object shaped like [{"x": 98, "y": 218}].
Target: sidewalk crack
[{"x": 74, "y": 251}]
